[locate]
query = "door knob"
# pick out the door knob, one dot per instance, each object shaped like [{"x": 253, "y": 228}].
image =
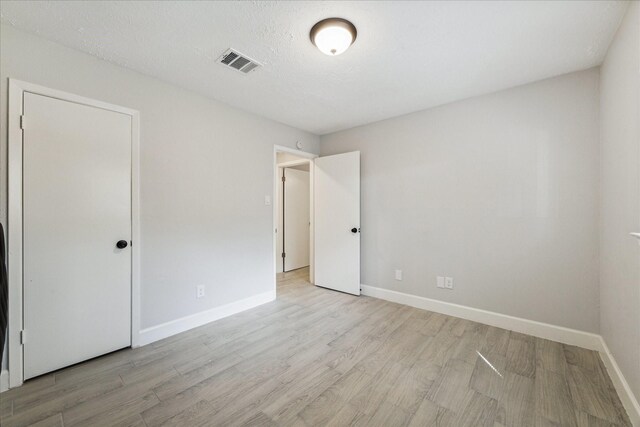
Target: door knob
[
  {"x": 121, "y": 244},
  {"x": 354, "y": 230}
]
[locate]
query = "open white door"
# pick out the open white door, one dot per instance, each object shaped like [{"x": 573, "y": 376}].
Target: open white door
[
  {"x": 337, "y": 222},
  {"x": 280, "y": 227},
  {"x": 296, "y": 219}
]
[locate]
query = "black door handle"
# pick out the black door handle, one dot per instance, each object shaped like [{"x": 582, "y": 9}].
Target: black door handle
[
  {"x": 121, "y": 244},
  {"x": 355, "y": 230}
]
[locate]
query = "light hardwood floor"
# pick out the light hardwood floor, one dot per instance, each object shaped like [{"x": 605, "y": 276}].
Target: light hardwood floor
[{"x": 316, "y": 357}]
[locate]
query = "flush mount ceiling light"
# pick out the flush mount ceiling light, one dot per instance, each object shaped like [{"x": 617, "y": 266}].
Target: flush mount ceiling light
[{"x": 333, "y": 35}]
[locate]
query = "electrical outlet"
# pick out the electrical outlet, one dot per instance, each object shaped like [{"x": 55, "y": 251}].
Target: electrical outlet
[
  {"x": 448, "y": 282},
  {"x": 440, "y": 281},
  {"x": 199, "y": 291},
  {"x": 398, "y": 274}
]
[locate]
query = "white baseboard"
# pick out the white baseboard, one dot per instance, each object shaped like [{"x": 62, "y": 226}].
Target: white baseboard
[
  {"x": 4, "y": 380},
  {"x": 627, "y": 397},
  {"x": 173, "y": 327},
  {"x": 517, "y": 324},
  {"x": 530, "y": 327}
]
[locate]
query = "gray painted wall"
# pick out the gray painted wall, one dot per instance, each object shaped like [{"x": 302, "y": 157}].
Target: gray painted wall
[
  {"x": 499, "y": 192},
  {"x": 203, "y": 216},
  {"x": 620, "y": 204}
]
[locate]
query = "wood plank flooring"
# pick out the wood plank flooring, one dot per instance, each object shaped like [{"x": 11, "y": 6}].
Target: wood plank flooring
[{"x": 315, "y": 357}]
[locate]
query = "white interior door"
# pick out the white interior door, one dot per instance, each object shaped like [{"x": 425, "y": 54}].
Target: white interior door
[
  {"x": 296, "y": 219},
  {"x": 280, "y": 228},
  {"x": 77, "y": 206},
  {"x": 337, "y": 222}
]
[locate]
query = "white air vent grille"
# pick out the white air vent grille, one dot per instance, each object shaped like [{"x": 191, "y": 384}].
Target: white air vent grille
[{"x": 238, "y": 61}]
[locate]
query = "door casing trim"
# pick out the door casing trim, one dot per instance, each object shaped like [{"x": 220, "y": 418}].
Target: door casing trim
[{"x": 17, "y": 88}]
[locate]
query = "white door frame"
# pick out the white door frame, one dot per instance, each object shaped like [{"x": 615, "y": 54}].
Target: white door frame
[
  {"x": 309, "y": 159},
  {"x": 17, "y": 89}
]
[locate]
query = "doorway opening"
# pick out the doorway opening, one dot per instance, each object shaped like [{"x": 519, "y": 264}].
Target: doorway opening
[
  {"x": 333, "y": 221},
  {"x": 293, "y": 207}
]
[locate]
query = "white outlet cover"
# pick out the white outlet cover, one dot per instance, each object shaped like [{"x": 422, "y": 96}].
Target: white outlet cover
[
  {"x": 200, "y": 291},
  {"x": 440, "y": 281},
  {"x": 398, "y": 274},
  {"x": 448, "y": 282}
]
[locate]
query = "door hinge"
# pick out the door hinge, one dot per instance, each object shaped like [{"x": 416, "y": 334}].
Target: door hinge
[
  {"x": 283, "y": 178},
  {"x": 283, "y": 255},
  {"x": 22, "y": 122},
  {"x": 23, "y": 337}
]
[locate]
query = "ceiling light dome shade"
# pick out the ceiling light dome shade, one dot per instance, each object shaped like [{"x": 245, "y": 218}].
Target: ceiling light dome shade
[{"x": 332, "y": 36}]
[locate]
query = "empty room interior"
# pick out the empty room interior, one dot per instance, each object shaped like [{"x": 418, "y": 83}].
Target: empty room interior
[{"x": 320, "y": 213}]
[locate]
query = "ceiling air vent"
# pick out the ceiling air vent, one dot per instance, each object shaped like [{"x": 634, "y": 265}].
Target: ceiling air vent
[{"x": 238, "y": 61}]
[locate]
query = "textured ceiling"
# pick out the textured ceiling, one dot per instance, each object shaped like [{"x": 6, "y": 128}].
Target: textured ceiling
[{"x": 408, "y": 56}]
